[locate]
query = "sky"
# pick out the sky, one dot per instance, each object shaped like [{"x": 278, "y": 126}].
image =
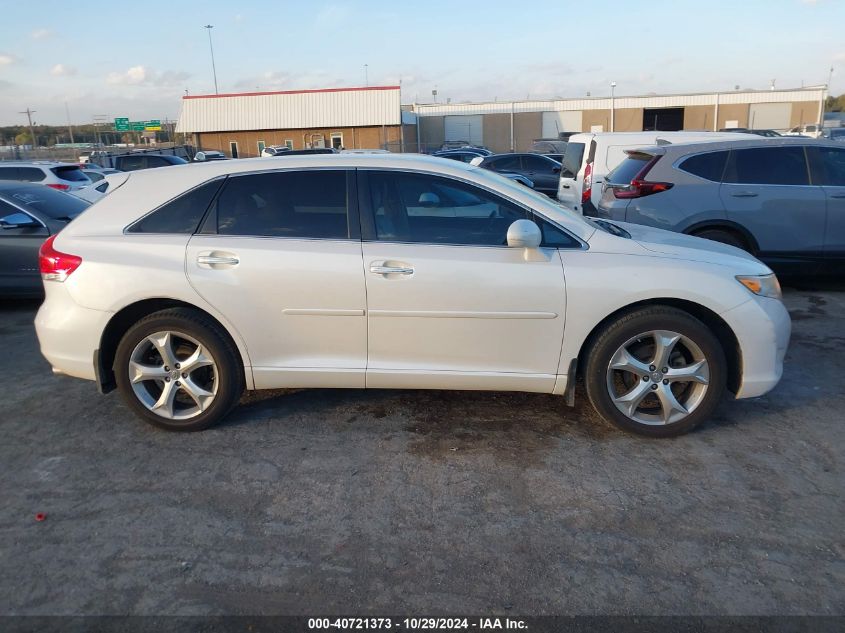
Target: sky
[{"x": 136, "y": 60}]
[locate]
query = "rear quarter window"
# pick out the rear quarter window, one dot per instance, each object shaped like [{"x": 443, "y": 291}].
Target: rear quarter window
[
  {"x": 181, "y": 215},
  {"x": 628, "y": 169},
  {"x": 709, "y": 166}
]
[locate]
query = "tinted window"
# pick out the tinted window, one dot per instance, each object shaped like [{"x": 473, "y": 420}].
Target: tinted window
[
  {"x": 435, "y": 210},
  {"x": 181, "y": 215},
  {"x": 9, "y": 173},
  {"x": 767, "y": 166},
  {"x": 309, "y": 204},
  {"x": 502, "y": 163},
  {"x": 131, "y": 163},
  {"x": 572, "y": 158},
  {"x": 628, "y": 169},
  {"x": 829, "y": 167},
  {"x": 94, "y": 175},
  {"x": 837, "y": 134},
  {"x": 536, "y": 163},
  {"x": 709, "y": 166},
  {"x": 157, "y": 161},
  {"x": 50, "y": 202},
  {"x": 31, "y": 174},
  {"x": 70, "y": 174}
]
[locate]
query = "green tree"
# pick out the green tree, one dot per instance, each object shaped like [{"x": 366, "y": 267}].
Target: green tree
[{"x": 835, "y": 104}]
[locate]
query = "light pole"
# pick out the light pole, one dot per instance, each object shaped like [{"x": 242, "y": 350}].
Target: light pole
[
  {"x": 208, "y": 27},
  {"x": 612, "y": 106},
  {"x": 366, "y": 75}
]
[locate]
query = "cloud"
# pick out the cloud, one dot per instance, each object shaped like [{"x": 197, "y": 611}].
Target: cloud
[
  {"x": 40, "y": 34},
  {"x": 60, "y": 70},
  {"x": 133, "y": 76},
  {"x": 7, "y": 60},
  {"x": 170, "y": 78}
]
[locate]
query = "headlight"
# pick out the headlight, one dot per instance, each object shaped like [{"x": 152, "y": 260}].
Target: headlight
[{"x": 763, "y": 285}]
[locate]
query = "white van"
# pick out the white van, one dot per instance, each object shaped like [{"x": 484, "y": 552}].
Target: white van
[{"x": 590, "y": 156}]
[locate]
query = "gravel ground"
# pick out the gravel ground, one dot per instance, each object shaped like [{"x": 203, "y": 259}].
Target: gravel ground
[{"x": 331, "y": 501}]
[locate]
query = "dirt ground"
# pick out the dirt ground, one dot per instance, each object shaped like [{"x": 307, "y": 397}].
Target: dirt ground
[{"x": 401, "y": 502}]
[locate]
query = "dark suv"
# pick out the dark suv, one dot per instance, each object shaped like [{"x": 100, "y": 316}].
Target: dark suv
[
  {"x": 782, "y": 200},
  {"x": 134, "y": 162}
]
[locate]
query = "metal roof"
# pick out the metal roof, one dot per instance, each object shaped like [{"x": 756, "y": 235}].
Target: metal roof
[
  {"x": 290, "y": 109},
  {"x": 813, "y": 93}
]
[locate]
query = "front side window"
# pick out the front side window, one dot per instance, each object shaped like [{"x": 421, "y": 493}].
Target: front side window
[
  {"x": 784, "y": 165},
  {"x": 434, "y": 210},
  {"x": 297, "y": 204},
  {"x": 829, "y": 166},
  {"x": 181, "y": 215},
  {"x": 538, "y": 164}
]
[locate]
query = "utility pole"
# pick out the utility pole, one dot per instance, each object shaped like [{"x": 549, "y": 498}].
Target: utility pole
[
  {"x": 29, "y": 114},
  {"x": 211, "y": 47},
  {"x": 69, "y": 126},
  {"x": 366, "y": 75}
]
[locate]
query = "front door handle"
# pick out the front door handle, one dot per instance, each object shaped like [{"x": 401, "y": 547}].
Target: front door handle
[
  {"x": 382, "y": 269},
  {"x": 837, "y": 195},
  {"x": 744, "y": 194},
  {"x": 217, "y": 260}
]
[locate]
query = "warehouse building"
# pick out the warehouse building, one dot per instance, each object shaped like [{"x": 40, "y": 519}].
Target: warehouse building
[
  {"x": 241, "y": 125},
  {"x": 513, "y": 125}
]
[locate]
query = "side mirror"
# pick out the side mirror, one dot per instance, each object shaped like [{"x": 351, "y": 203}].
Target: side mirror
[
  {"x": 17, "y": 221},
  {"x": 526, "y": 234}
]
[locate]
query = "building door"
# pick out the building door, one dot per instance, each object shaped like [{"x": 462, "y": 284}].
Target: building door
[
  {"x": 337, "y": 140},
  {"x": 663, "y": 119},
  {"x": 233, "y": 148}
]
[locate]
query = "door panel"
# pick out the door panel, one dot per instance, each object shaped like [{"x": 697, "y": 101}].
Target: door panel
[
  {"x": 19, "y": 272},
  {"x": 828, "y": 169}
]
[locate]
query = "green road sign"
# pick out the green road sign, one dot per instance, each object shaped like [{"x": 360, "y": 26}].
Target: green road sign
[
  {"x": 152, "y": 125},
  {"x": 121, "y": 125}
]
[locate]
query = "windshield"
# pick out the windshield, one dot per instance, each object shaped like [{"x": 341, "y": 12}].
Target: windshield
[{"x": 54, "y": 204}]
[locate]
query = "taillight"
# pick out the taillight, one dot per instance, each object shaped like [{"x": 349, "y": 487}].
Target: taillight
[
  {"x": 587, "y": 191},
  {"x": 640, "y": 188},
  {"x": 54, "y": 265},
  {"x": 56, "y": 185}
]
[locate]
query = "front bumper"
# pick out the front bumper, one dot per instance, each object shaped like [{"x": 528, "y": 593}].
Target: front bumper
[
  {"x": 68, "y": 333},
  {"x": 762, "y": 327}
]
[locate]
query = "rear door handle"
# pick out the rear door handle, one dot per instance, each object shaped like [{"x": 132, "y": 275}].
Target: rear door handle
[
  {"x": 381, "y": 269},
  {"x": 218, "y": 260},
  {"x": 744, "y": 194}
]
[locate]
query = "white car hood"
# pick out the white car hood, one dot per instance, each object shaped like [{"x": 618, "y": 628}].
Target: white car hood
[{"x": 680, "y": 246}]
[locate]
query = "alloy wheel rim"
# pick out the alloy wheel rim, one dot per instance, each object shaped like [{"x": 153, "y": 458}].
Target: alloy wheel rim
[
  {"x": 658, "y": 377},
  {"x": 173, "y": 375}
]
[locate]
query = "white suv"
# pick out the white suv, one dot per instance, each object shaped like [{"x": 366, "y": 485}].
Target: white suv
[
  {"x": 184, "y": 286},
  {"x": 62, "y": 176}
]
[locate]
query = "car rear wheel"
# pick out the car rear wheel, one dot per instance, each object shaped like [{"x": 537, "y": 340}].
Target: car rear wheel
[
  {"x": 177, "y": 370},
  {"x": 657, "y": 371},
  {"x": 724, "y": 237}
]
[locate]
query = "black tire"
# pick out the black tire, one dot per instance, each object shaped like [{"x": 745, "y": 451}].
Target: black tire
[
  {"x": 228, "y": 370},
  {"x": 630, "y": 326},
  {"x": 725, "y": 237}
]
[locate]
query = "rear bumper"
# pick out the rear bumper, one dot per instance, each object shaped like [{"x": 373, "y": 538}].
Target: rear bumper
[
  {"x": 762, "y": 327},
  {"x": 69, "y": 334}
]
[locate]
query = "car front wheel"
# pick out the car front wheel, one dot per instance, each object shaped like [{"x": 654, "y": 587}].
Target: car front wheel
[
  {"x": 178, "y": 370},
  {"x": 658, "y": 371}
]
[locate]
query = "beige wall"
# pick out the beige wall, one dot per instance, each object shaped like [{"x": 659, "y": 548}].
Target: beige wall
[
  {"x": 497, "y": 132},
  {"x": 353, "y": 138},
  {"x": 699, "y": 117},
  {"x": 597, "y": 117},
  {"x": 733, "y": 112},
  {"x": 432, "y": 132},
  {"x": 804, "y": 112},
  {"x": 625, "y": 120},
  {"x": 526, "y": 127}
]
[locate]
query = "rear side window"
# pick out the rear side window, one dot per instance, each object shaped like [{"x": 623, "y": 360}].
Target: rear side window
[
  {"x": 299, "y": 204},
  {"x": 131, "y": 163},
  {"x": 829, "y": 166},
  {"x": 628, "y": 169},
  {"x": 30, "y": 174},
  {"x": 69, "y": 173},
  {"x": 506, "y": 163},
  {"x": 181, "y": 215},
  {"x": 709, "y": 166},
  {"x": 767, "y": 166},
  {"x": 572, "y": 158}
]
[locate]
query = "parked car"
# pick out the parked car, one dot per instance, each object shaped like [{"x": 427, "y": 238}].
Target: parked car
[
  {"x": 308, "y": 152},
  {"x": 548, "y": 146},
  {"x": 758, "y": 132},
  {"x": 836, "y": 134},
  {"x": 272, "y": 150},
  {"x": 463, "y": 155},
  {"x": 811, "y": 131},
  {"x": 96, "y": 191},
  {"x": 183, "y": 288},
  {"x": 96, "y": 174},
  {"x": 135, "y": 162},
  {"x": 781, "y": 200},
  {"x": 56, "y": 175},
  {"x": 209, "y": 154},
  {"x": 590, "y": 156},
  {"x": 541, "y": 170},
  {"x": 29, "y": 214}
]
